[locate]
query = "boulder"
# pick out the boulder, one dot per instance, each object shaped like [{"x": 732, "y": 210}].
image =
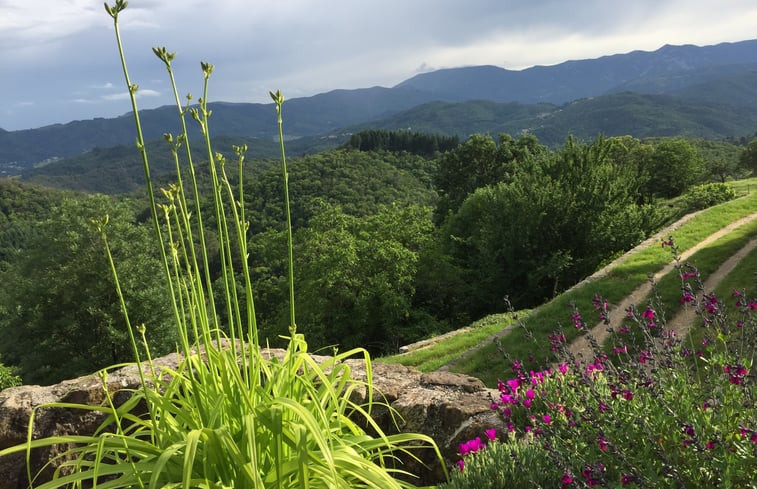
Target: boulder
[{"x": 451, "y": 408}]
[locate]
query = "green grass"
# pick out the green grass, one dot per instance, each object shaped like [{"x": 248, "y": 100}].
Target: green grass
[
  {"x": 707, "y": 261},
  {"x": 488, "y": 364},
  {"x": 441, "y": 353}
]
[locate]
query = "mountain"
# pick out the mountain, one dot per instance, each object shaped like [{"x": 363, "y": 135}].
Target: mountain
[
  {"x": 660, "y": 71},
  {"x": 706, "y": 91},
  {"x": 617, "y": 114}
]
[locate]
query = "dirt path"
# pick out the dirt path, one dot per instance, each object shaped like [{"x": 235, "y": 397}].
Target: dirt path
[
  {"x": 581, "y": 345},
  {"x": 684, "y": 319}
]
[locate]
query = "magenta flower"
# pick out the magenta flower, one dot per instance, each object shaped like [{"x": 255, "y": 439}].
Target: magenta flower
[
  {"x": 627, "y": 479},
  {"x": 547, "y": 418},
  {"x": 513, "y": 384},
  {"x": 563, "y": 367},
  {"x": 602, "y": 442},
  {"x": 711, "y": 444},
  {"x": 491, "y": 434},
  {"x": 566, "y": 480},
  {"x": 530, "y": 394},
  {"x": 648, "y": 313},
  {"x": 461, "y": 465}
]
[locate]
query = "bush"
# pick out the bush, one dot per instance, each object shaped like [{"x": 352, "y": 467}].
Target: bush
[
  {"x": 707, "y": 195},
  {"x": 510, "y": 463},
  {"x": 655, "y": 410},
  {"x": 8, "y": 378}
]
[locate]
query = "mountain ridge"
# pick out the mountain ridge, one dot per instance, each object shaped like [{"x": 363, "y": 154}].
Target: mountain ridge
[{"x": 720, "y": 75}]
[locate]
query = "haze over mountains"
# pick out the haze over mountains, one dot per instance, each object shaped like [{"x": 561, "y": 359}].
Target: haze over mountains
[{"x": 693, "y": 91}]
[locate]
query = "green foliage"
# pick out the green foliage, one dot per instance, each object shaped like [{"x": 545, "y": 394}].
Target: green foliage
[
  {"x": 479, "y": 162},
  {"x": 356, "y": 277},
  {"x": 721, "y": 159},
  {"x": 673, "y": 167},
  {"x": 748, "y": 156},
  {"x": 512, "y": 463},
  {"x": 396, "y": 141},
  {"x": 547, "y": 228},
  {"x": 8, "y": 377},
  {"x": 60, "y": 318},
  {"x": 707, "y": 195}
]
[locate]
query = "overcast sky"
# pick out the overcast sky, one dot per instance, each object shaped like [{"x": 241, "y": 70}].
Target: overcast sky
[{"x": 59, "y": 58}]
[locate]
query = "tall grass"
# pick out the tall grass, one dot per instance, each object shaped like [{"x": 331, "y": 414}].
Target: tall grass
[{"x": 232, "y": 414}]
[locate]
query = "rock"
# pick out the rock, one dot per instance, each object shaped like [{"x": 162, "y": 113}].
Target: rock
[{"x": 450, "y": 408}]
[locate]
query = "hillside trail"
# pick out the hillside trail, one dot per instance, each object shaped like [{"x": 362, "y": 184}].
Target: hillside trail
[
  {"x": 581, "y": 345},
  {"x": 684, "y": 319}
]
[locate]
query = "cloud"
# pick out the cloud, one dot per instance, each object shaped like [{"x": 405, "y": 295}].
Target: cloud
[{"x": 142, "y": 92}]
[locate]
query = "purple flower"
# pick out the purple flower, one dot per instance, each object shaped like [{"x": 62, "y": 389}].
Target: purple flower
[
  {"x": 547, "y": 418},
  {"x": 627, "y": 479},
  {"x": 461, "y": 465},
  {"x": 648, "y": 313},
  {"x": 491, "y": 434}
]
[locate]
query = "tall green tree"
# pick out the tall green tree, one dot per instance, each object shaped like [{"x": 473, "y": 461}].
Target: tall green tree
[
  {"x": 478, "y": 162},
  {"x": 355, "y": 277},
  {"x": 748, "y": 156},
  {"x": 533, "y": 236},
  {"x": 61, "y": 316},
  {"x": 673, "y": 167}
]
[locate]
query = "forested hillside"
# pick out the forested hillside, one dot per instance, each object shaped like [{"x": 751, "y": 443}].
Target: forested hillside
[{"x": 414, "y": 234}]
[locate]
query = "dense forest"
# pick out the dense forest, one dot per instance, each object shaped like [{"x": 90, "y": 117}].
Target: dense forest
[{"x": 397, "y": 236}]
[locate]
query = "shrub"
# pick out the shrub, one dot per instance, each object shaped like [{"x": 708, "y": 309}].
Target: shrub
[
  {"x": 8, "y": 377},
  {"x": 707, "y": 195},
  {"x": 231, "y": 414},
  {"x": 655, "y": 411},
  {"x": 509, "y": 463}
]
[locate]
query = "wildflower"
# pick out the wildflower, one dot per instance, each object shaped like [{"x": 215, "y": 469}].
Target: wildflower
[
  {"x": 669, "y": 242},
  {"x": 530, "y": 394},
  {"x": 491, "y": 434},
  {"x": 471, "y": 446},
  {"x": 461, "y": 465},
  {"x": 513, "y": 384},
  {"x": 627, "y": 395},
  {"x": 620, "y": 349},
  {"x": 736, "y": 373},
  {"x": 711, "y": 444},
  {"x": 547, "y": 418},
  {"x": 627, "y": 479},
  {"x": 603, "y": 407},
  {"x": 644, "y": 356},
  {"x": 752, "y": 305},
  {"x": 602, "y": 442},
  {"x": 648, "y": 313},
  {"x": 687, "y": 297},
  {"x": 689, "y": 430},
  {"x": 566, "y": 480},
  {"x": 577, "y": 321},
  {"x": 563, "y": 367}
]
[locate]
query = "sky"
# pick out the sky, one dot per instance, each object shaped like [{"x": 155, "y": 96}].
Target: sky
[{"x": 59, "y": 59}]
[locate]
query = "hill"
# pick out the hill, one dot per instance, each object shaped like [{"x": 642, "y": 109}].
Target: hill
[{"x": 712, "y": 76}]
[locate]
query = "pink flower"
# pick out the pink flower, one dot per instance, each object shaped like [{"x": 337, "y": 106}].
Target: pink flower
[
  {"x": 648, "y": 313},
  {"x": 491, "y": 434},
  {"x": 547, "y": 418},
  {"x": 602, "y": 442},
  {"x": 530, "y": 394},
  {"x": 563, "y": 368},
  {"x": 461, "y": 465}
]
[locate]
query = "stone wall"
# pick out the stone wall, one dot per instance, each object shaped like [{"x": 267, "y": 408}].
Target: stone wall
[{"x": 451, "y": 408}]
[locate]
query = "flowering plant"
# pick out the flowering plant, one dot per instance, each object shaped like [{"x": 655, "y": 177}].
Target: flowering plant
[{"x": 650, "y": 409}]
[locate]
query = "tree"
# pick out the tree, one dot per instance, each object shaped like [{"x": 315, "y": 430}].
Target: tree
[
  {"x": 673, "y": 167},
  {"x": 354, "y": 277},
  {"x": 61, "y": 316},
  {"x": 748, "y": 157},
  {"x": 479, "y": 162},
  {"x": 547, "y": 228}
]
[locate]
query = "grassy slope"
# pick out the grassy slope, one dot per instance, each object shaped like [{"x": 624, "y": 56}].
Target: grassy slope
[{"x": 532, "y": 343}]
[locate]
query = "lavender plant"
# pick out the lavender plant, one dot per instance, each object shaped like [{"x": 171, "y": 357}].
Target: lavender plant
[
  {"x": 658, "y": 411},
  {"x": 231, "y": 414}
]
